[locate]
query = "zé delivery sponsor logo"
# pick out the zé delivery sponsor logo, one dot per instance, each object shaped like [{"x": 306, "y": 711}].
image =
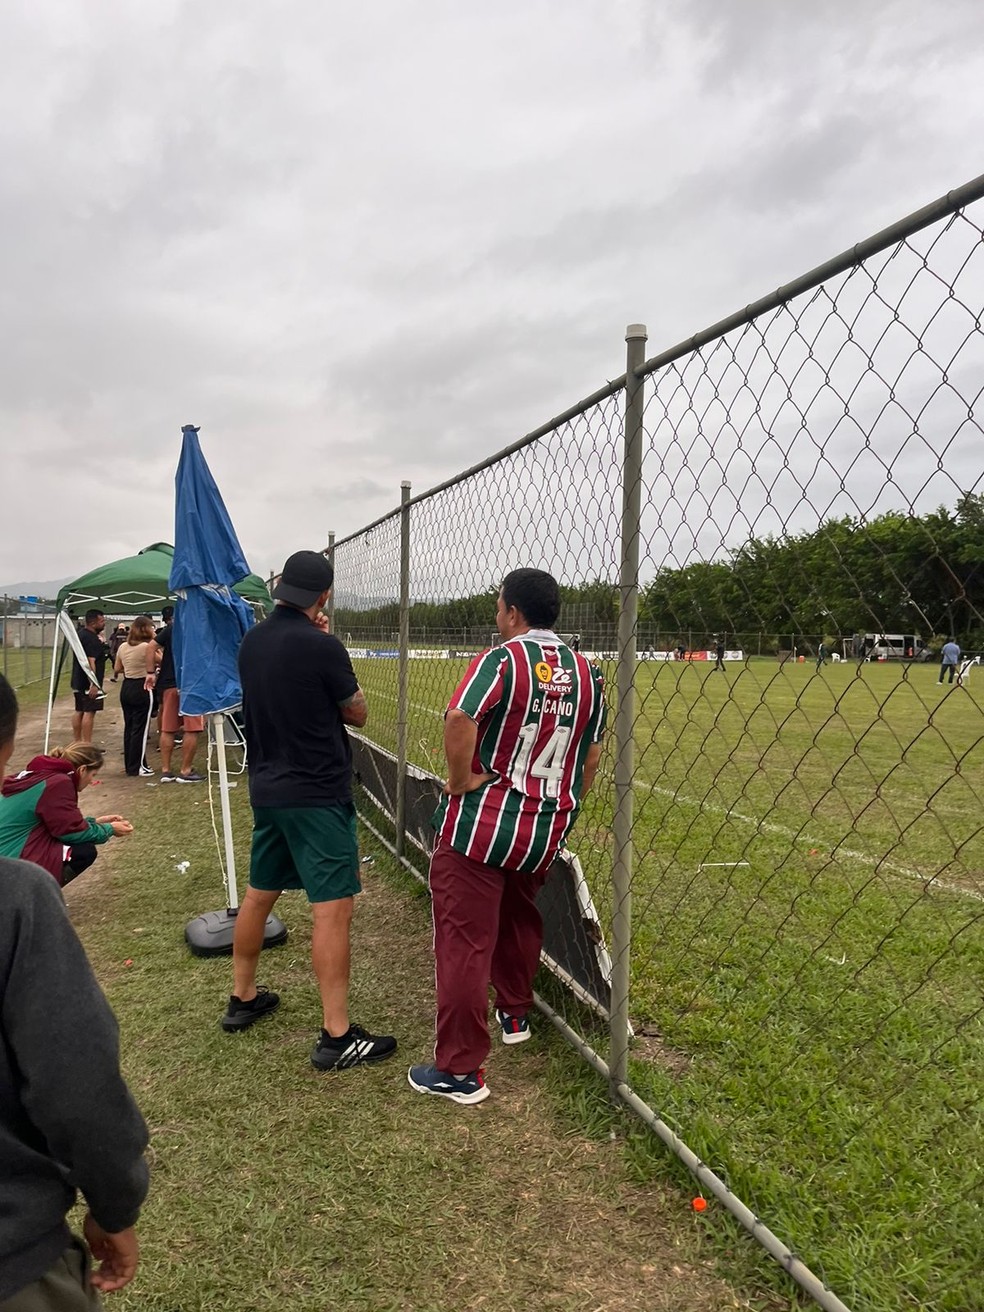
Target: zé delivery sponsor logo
[{"x": 553, "y": 679}]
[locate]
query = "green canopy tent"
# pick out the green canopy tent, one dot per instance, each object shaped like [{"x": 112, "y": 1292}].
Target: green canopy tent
[
  {"x": 128, "y": 587},
  {"x": 139, "y": 583}
]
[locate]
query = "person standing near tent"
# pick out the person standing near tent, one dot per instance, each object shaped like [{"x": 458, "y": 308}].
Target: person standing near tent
[
  {"x": 96, "y": 651},
  {"x": 116, "y": 641},
  {"x": 172, "y": 722},
  {"x": 300, "y": 787},
  {"x": 67, "y": 1120},
  {"x": 137, "y": 661},
  {"x": 522, "y": 737}
]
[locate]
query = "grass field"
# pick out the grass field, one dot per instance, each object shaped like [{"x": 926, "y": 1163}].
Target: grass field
[
  {"x": 276, "y": 1187},
  {"x": 25, "y": 665},
  {"x": 814, "y": 1013}
]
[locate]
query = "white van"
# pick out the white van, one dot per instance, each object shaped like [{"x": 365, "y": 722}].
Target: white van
[{"x": 893, "y": 647}]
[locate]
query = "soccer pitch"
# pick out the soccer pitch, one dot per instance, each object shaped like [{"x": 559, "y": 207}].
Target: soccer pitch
[{"x": 808, "y": 942}]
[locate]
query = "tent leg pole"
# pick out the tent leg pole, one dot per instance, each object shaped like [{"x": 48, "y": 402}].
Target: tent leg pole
[
  {"x": 51, "y": 686},
  {"x": 218, "y": 729}
]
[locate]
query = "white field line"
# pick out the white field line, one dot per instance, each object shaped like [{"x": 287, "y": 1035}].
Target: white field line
[
  {"x": 771, "y": 827},
  {"x": 417, "y": 706}
]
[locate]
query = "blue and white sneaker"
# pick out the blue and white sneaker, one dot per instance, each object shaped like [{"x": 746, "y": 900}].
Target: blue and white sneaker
[
  {"x": 467, "y": 1089},
  {"x": 515, "y": 1029}
]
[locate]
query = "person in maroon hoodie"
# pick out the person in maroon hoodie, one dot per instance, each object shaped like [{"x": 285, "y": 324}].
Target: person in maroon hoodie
[{"x": 40, "y": 816}]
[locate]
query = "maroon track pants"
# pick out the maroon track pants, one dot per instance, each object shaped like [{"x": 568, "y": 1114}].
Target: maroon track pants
[{"x": 486, "y": 928}]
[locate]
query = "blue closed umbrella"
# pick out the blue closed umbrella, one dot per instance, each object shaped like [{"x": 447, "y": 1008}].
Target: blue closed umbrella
[
  {"x": 209, "y": 623},
  {"x": 210, "y": 619}
]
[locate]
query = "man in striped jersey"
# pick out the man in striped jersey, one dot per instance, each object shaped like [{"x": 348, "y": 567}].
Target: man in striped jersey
[{"x": 522, "y": 737}]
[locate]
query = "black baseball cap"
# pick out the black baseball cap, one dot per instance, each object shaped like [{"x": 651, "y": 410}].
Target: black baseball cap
[{"x": 306, "y": 575}]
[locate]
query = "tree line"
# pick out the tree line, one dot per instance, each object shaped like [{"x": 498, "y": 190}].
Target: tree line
[{"x": 895, "y": 573}]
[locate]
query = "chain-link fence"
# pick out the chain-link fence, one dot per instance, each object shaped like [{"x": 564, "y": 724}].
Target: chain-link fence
[
  {"x": 27, "y": 630},
  {"x": 771, "y": 538}
]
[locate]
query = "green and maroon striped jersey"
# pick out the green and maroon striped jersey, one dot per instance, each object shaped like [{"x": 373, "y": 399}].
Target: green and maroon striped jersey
[{"x": 539, "y": 706}]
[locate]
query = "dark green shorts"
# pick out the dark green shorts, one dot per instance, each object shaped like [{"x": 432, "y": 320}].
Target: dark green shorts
[{"x": 309, "y": 847}]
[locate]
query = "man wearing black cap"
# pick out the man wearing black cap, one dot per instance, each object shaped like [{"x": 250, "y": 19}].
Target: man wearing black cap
[{"x": 299, "y": 693}]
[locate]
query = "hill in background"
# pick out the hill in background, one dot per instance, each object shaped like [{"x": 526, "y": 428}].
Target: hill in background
[{"x": 48, "y": 590}]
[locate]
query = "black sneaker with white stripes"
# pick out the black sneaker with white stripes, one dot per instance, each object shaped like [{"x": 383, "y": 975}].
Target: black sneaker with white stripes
[{"x": 355, "y": 1048}]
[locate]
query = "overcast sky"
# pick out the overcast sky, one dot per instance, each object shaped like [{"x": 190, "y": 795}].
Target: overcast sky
[{"x": 358, "y": 245}]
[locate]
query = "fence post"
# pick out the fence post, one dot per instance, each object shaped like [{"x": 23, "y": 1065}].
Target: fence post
[
  {"x": 403, "y": 672},
  {"x": 330, "y": 554},
  {"x": 635, "y": 336}
]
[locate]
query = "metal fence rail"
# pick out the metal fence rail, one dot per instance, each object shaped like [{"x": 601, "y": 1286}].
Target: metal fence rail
[{"x": 759, "y": 532}]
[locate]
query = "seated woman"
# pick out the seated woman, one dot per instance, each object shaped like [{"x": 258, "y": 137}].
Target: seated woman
[
  {"x": 137, "y": 660},
  {"x": 40, "y": 816}
]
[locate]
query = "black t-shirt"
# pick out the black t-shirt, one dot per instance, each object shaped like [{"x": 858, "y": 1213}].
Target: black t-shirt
[
  {"x": 165, "y": 675},
  {"x": 93, "y": 646},
  {"x": 294, "y": 676}
]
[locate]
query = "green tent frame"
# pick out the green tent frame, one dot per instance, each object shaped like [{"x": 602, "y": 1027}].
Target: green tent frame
[
  {"x": 129, "y": 587},
  {"x": 139, "y": 583}
]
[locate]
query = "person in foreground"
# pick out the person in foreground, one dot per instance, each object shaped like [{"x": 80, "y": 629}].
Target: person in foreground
[
  {"x": 522, "y": 737},
  {"x": 67, "y": 1119},
  {"x": 40, "y": 816},
  {"x": 299, "y": 693}
]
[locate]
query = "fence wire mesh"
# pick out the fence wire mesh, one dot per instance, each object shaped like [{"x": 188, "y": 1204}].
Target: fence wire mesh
[
  {"x": 807, "y": 947},
  {"x": 27, "y": 628}
]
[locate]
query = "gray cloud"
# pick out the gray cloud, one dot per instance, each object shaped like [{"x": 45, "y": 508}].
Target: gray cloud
[{"x": 358, "y": 247}]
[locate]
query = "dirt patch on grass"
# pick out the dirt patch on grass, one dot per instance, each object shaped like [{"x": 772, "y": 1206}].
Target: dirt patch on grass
[{"x": 649, "y": 1045}]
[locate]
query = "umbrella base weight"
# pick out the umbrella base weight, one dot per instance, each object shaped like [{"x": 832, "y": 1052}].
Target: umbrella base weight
[{"x": 210, "y": 935}]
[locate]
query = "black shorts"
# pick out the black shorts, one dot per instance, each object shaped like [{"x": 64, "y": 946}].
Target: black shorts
[{"x": 87, "y": 704}]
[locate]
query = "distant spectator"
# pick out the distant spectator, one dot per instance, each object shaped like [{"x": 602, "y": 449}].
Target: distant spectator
[
  {"x": 681, "y": 651},
  {"x": 117, "y": 638},
  {"x": 67, "y": 1119},
  {"x": 137, "y": 660},
  {"x": 40, "y": 816},
  {"x": 719, "y": 653},
  {"x": 172, "y": 722},
  {"x": 949, "y": 660},
  {"x": 822, "y": 655},
  {"x": 96, "y": 651}
]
